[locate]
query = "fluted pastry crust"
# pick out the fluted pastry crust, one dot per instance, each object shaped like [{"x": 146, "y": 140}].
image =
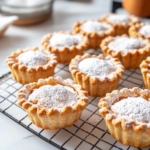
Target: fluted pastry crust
[
  {"x": 120, "y": 28},
  {"x": 145, "y": 70},
  {"x": 134, "y": 31},
  {"x": 131, "y": 59},
  {"x": 51, "y": 118},
  {"x": 93, "y": 85},
  {"x": 67, "y": 53},
  {"x": 128, "y": 133},
  {"x": 24, "y": 74},
  {"x": 94, "y": 38}
]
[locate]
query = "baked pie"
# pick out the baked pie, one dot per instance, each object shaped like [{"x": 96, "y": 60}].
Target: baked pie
[
  {"x": 127, "y": 116},
  {"x": 53, "y": 103},
  {"x": 130, "y": 51},
  {"x": 141, "y": 30},
  {"x": 65, "y": 45},
  {"x": 29, "y": 65},
  {"x": 145, "y": 70},
  {"x": 120, "y": 22},
  {"x": 96, "y": 74},
  {"x": 95, "y": 30}
]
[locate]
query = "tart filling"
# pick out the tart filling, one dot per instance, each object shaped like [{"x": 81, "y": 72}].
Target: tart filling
[
  {"x": 97, "y": 67},
  {"x": 145, "y": 30},
  {"x": 118, "y": 18},
  {"x": 95, "y": 26},
  {"x": 132, "y": 108},
  {"x": 126, "y": 44},
  {"x": 56, "y": 96},
  {"x": 33, "y": 58},
  {"x": 65, "y": 40}
]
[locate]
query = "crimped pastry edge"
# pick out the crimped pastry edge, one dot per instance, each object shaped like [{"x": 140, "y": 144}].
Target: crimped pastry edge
[
  {"x": 24, "y": 74},
  {"x": 119, "y": 28},
  {"x": 52, "y": 118},
  {"x": 131, "y": 133},
  {"x": 145, "y": 70},
  {"x": 130, "y": 60},
  {"x": 93, "y": 85},
  {"x": 94, "y": 38},
  {"x": 65, "y": 54},
  {"x": 134, "y": 31}
]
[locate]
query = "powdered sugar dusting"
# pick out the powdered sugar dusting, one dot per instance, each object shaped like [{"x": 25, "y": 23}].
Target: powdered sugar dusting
[
  {"x": 118, "y": 18},
  {"x": 33, "y": 58},
  {"x": 65, "y": 40},
  {"x": 133, "y": 108},
  {"x": 95, "y": 26},
  {"x": 56, "y": 96},
  {"x": 126, "y": 44},
  {"x": 97, "y": 67},
  {"x": 145, "y": 30}
]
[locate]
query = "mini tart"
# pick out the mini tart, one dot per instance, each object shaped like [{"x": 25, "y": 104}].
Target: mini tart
[
  {"x": 120, "y": 22},
  {"x": 145, "y": 70},
  {"x": 140, "y": 30},
  {"x": 52, "y": 118},
  {"x": 23, "y": 73},
  {"x": 93, "y": 84},
  {"x": 124, "y": 128},
  {"x": 65, "y": 53},
  {"x": 94, "y": 37},
  {"x": 130, "y": 59}
]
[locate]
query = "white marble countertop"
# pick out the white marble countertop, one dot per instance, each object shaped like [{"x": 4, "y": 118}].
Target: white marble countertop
[{"x": 12, "y": 135}]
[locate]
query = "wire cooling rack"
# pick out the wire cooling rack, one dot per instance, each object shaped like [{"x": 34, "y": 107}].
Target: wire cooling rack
[{"x": 89, "y": 132}]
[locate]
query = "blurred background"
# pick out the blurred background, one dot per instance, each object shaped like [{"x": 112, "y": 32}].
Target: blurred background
[{"x": 34, "y": 18}]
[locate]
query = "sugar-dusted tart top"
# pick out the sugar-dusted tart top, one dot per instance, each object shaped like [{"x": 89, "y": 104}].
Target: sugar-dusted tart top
[
  {"x": 95, "y": 26},
  {"x": 61, "y": 40},
  {"x": 33, "y": 58},
  {"x": 118, "y": 18},
  {"x": 132, "y": 108},
  {"x": 126, "y": 44},
  {"x": 145, "y": 30},
  {"x": 56, "y": 96},
  {"x": 97, "y": 67}
]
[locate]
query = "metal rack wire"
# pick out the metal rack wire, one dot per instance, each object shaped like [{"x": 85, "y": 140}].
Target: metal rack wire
[{"x": 89, "y": 132}]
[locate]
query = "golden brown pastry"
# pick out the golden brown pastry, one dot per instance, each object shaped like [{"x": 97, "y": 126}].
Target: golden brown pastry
[
  {"x": 141, "y": 30},
  {"x": 29, "y": 65},
  {"x": 120, "y": 22},
  {"x": 130, "y": 51},
  {"x": 53, "y": 103},
  {"x": 65, "y": 45},
  {"x": 94, "y": 30},
  {"x": 145, "y": 70},
  {"x": 127, "y": 116},
  {"x": 96, "y": 74}
]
